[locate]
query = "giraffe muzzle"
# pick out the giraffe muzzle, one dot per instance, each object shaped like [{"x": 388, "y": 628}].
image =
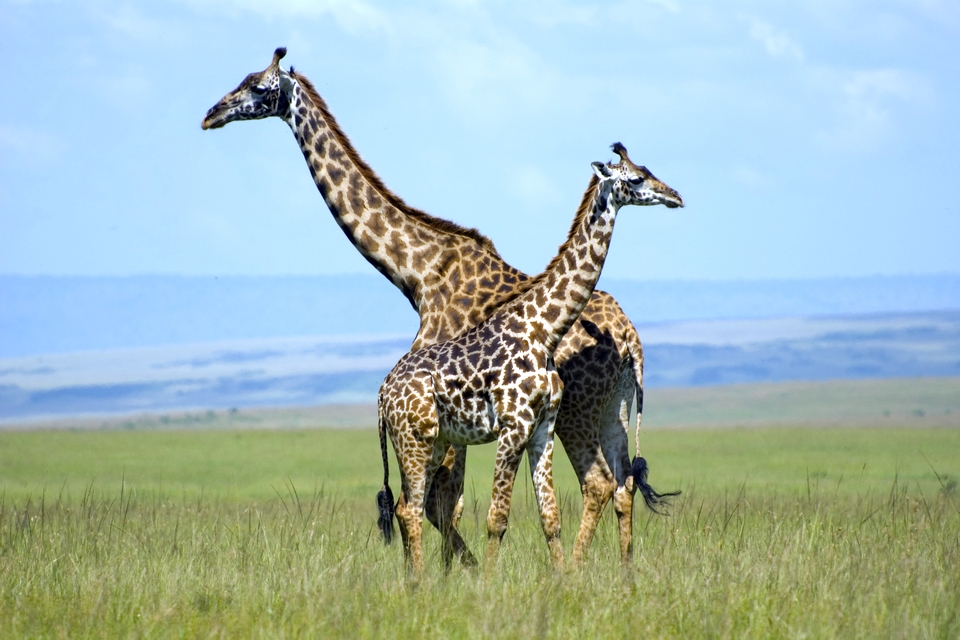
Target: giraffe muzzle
[{"x": 210, "y": 120}]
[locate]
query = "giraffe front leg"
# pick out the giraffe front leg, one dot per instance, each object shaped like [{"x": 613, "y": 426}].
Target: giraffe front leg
[
  {"x": 540, "y": 453},
  {"x": 509, "y": 454}
]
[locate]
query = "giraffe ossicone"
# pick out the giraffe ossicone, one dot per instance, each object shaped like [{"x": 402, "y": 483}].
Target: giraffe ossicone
[{"x": 454, "y": 278}]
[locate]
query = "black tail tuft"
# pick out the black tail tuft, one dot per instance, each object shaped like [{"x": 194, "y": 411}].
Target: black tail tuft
[
  {"x": 656, "y": 502},
  {"x": 385, "y": 507}
]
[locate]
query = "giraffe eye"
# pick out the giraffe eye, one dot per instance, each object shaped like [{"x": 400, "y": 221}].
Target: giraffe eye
[{"x": 259, "y": 90}]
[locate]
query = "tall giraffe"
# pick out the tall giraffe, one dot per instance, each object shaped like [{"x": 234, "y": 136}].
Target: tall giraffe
[
  {"x": 454, "y": 278},
  {"x": 497, "y": 381}
]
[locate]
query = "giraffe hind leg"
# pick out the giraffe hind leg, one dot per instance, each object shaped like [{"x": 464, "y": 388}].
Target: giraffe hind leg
[
  {"x": 598, "y": 488},
  {"x": 414, "y": 457},
  {"x": 504, "y": 475},
  {"x": 581, "y": 442},
  {"x": 444, "y": 502}
]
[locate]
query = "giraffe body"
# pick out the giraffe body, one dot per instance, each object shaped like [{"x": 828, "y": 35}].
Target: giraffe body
[
  {"x": 454, "y": 278},
  {"x": 498, "y": 381},
  {"x": 473, "y": 390}
]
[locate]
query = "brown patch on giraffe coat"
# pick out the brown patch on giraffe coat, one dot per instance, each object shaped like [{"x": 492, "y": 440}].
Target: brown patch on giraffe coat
[
  {"x": 355, "y": 201},
  {"x": 319, "y": 144},
  {"x": 398, "y": 245},
  {"x": 369, "y": 241},
  {"x": 337, "y": 154},
  {"x": 373, "y": 198},
  {"x": 552, "y": 312},
  {"x": 336, "y": 174},
  {"x": 376, "y": 226}
]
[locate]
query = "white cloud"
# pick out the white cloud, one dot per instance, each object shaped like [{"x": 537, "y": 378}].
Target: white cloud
[
  {"x": 30, "y": 146},
  {"x": 556, "y": 13},
  {"x": 129, "y": 88},
  {"x": 868, "y": 101},
  {"x": 749, "y": 177},
  {"x": 670, "y": 5},
  {"x": 879, "y": 83},
  {"x": 480, "y": 65},
  {"x": 355, "y": 17},
  {"x": 484, "y": 79},
  {"x": 533, "y": 186},
  {"x": 776, "y": 42},
  {"x": 131, "y": 23}
]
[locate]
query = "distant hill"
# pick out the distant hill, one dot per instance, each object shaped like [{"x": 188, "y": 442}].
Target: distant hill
[
  {"x": 667, "y": 301},
  {"x": 310, "y": 371},
  {"x": 47, "y": 314},
  {"x": 50, "y": 314}
]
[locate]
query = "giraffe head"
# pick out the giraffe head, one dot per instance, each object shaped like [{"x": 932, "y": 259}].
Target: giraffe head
[
  {"x": 626, "y": 183},
  {"x": 259, "y": 96}
]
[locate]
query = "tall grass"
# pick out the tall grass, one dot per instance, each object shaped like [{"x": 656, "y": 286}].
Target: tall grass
[{"x": 834, "y": 556}]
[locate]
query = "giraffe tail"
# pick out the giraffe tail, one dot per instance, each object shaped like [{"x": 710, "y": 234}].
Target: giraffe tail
[
  {"x": 655, "y": 501},
  {"x": 385, "y": 502}
]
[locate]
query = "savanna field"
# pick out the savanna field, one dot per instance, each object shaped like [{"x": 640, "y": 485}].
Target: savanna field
[{"x": 189, "y": 526}]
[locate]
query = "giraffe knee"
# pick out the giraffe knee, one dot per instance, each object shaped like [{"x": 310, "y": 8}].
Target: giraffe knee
[
  {"x": 623, "y": 500},
  {"x": 551, "y": 526},
  {"x": 598, "y": 491},
  {"x": 404, "y": 513}
]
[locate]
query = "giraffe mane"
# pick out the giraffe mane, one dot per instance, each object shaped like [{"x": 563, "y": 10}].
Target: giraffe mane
[{"x": 439, "y": 224}]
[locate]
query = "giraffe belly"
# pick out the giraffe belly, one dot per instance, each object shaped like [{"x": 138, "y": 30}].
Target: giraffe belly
[{"x": 468, "y": 419}]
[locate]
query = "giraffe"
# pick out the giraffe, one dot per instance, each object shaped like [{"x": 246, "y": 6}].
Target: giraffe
[
  {"x": 454, "y": 278},
  {"x": 497, "y": 381}
]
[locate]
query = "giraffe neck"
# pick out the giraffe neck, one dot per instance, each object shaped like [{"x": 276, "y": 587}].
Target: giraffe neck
[
  {"x": 557, "y": 296},
  {"x": 397, "y": 240}
]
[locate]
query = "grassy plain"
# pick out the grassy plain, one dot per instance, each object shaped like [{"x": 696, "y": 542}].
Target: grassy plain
[{"x": 816, "y": 531}]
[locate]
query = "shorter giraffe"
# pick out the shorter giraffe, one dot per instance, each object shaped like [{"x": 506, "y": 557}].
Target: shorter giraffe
[{"x": 497, "y": 381}]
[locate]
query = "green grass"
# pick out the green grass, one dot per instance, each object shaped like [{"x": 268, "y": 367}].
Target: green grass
[
  {"x": 781, "y": 532},
  {"x": 254, "y": 465},
  {"x": 921, "y": 402}
]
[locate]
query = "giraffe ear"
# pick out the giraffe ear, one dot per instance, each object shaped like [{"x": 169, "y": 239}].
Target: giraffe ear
[{"x": 602, "y": 170}]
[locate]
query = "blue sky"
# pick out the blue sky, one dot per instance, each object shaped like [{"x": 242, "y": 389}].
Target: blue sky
[{"x": 809, "y": 139}]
